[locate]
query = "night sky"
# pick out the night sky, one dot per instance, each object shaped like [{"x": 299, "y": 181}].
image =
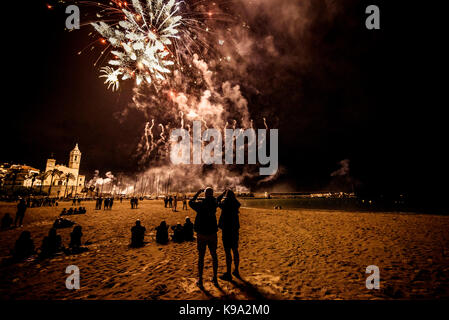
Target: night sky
[{"x": 344, "y": 92}]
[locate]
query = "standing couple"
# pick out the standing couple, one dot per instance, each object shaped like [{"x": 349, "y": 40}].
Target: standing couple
[{"x": 206, "y": 228}]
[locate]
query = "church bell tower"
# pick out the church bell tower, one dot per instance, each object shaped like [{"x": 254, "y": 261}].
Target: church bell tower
[{"x": 75, "y": 158}]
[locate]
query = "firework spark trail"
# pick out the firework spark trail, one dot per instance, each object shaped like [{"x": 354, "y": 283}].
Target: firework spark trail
[
  {"x": 151, "y": 134},
  {"x": 147, "y": 144},
  {"x": 182, "y": 119}
]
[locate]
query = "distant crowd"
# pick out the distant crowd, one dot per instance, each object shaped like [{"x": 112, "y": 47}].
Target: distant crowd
[{"x": 205, "y": 225}]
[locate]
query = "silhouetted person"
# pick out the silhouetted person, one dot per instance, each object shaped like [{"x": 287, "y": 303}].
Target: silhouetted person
[
  {"x": 64, "y": 212},
  {"x": 74, "y": 202},
  {"x": 165, "y": 201},
  {"x": 137, "y": 235},
  {"x": 62, "y": 223},
  {"x": 51, "y": 244},
  {"x": 170, "y": 202},
  {"x": 106, "y": 203},
  {"x": 111, "y": 202},
  {"x": 184, "y": 203},
  {"x": 230, "y": 225},
  {"x": 162, "y": 233},
  {"x": 206, "y": 228},
  {"x": 20, "y": 214},
  {"x": 99, "y": 203},
  {"x": 188, "y": 230},
  {"x": 178, "y": 233},
  {"x": 6, "y": 221},
  {"x": 75, "y": 238},
  {"x": 175, "y": 203},
  {"x": 24, "y": 246}
]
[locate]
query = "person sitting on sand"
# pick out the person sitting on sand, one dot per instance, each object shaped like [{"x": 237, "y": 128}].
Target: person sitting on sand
[
  {"x": 229, "y": 224},
  {"x": 63, "y": 212},
  {"x": 82, "y": 210},
  {"x": 206, "y": 228},
  {"x": 6, "y": 222},
  {"x": 162, "y": 233},
  {"x": 137, "y": 235},
  {"x": 70, "y": 211},
  {"x": 51, "y": 244},
  {"x": 188, "y": 230},
  {"x": 75, "y": 237},
  {"x": 24, "y": 246},
  {"x": 75, "y": 211},
  {"x": 62, "y": 223},
  {"x": 178, "y": 233},
  {"x": 75, "y": 241}
]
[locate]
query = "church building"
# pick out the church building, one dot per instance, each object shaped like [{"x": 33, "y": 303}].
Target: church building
[{"x": 76, "y": 184}]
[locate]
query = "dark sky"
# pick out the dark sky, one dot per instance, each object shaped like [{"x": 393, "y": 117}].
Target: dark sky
[{"x": 367, "y": 96}]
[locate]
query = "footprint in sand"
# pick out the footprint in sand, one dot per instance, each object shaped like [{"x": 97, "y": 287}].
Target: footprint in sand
[
  {"x": 189, "y": 285},
  {"x": 265, "y": 281},
  {"x": 162, "y": 263}
]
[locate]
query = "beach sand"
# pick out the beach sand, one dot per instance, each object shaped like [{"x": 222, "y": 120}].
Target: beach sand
[{"x": 285, "y": 254}]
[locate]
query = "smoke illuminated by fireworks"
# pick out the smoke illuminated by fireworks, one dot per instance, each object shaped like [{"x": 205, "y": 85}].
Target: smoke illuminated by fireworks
[{"x": 178, "y": 55}]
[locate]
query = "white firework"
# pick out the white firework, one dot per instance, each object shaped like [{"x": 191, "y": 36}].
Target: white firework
[
  {"x": 140, "y": 42},
  {"x": 111, "y": 76}
]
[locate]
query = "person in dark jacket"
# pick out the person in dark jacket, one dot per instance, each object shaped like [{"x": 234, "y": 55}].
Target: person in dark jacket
[
  {"x": 6, "y": 221},
  {"x": 21, "y": 208},
  {"x": 51, "y": 244},
  {"x": 230, "y": 225},
  {"x": 162, "y": 233},
  {"x": 137, "y": 235},
  {"x": 188, "y": 230},
  {"x": 24, "y": 246},
  {"x": 75, "y": 238},
  {"x": 206, "y": 228},
  {"x": 178, "y": 233}
]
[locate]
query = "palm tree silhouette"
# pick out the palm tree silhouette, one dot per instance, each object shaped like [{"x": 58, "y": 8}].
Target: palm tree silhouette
[
  {"x": 33, "y": 176},
  {"x": 53, "y": 173},
  {"x": 42, "y": 176},
  {"x": 67, "y": 177}
]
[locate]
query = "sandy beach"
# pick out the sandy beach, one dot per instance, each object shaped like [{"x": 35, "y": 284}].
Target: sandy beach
[{"x": 285, "y": 254}]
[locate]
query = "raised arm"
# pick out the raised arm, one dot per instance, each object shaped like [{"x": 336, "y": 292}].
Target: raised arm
[
  {"x": 220, "y": 197},
  {"x": 192, "y": 202}
]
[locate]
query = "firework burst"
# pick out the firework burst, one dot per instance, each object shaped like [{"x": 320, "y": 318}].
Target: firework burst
[{"x": 141, "y": 42}]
